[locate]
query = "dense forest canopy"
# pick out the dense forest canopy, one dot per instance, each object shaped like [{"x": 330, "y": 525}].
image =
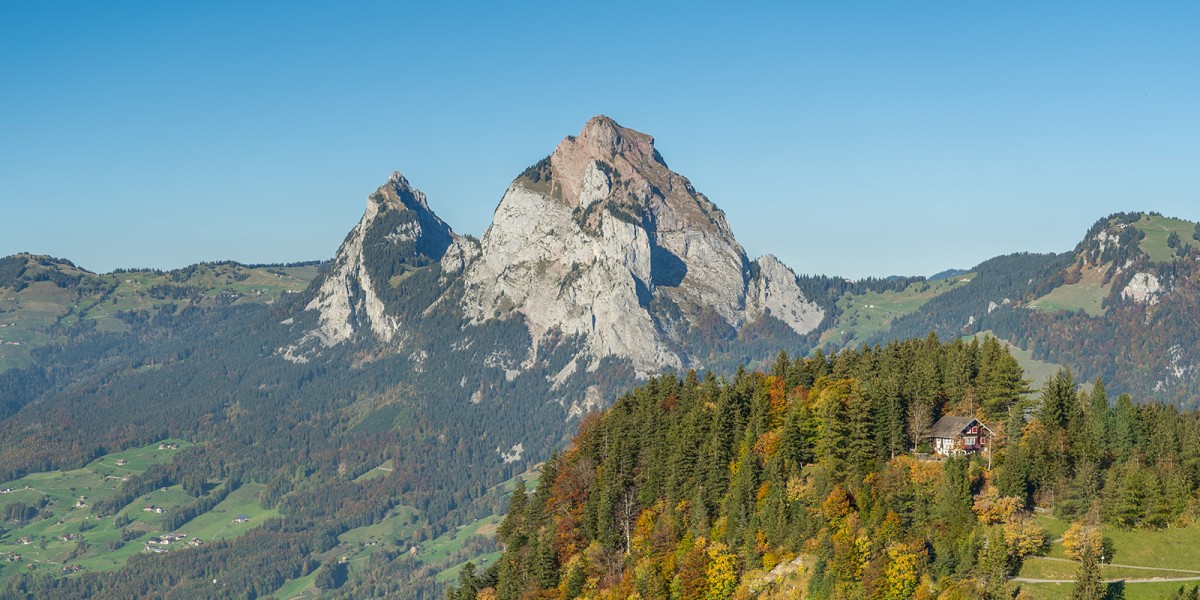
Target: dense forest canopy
[{"x": 803, "y": 480}]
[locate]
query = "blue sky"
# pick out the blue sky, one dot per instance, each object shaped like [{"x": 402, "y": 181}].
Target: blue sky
[{"x": 847, "y": 138}]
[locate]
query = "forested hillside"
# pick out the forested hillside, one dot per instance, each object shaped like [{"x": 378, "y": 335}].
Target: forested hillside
[
  {"x": 51, "y": 301},
  {"x": 456, "y": 406},
  {"x": 1121, "y": 306},
  {"x": 802, "y": 481}
]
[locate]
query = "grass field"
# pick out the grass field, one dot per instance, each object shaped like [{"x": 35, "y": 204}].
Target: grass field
[
  {"x": 24, "y": 318},
  {"x": 356, "y": 546},
  {"x": 219, "y": 523},
  {"x": 297, "y": 589},
  {"x": 451, "y": 543},
  {"x": 1085, "y": 296},
  {"x": 1133, "y": 591},
  {"x": 1040, "y": 568},
  {"x": 379, "y": 471},
  {"x": 870, "y": 313},
  {"x": 66, "y": 532},
  {"x": 1157, "y": 230},
  {"x": 1158, "y": 550},
  {"x": 399, "y": 525},
  {"x": 443, "y": 548}
]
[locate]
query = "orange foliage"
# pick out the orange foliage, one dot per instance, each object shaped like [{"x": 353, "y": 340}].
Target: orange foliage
[
  {"x": 839, "y": 504},
  {"x": 763, "y": 490},
  {"x": 778, "y": 399},
  {"x": 767, "y": 444}
]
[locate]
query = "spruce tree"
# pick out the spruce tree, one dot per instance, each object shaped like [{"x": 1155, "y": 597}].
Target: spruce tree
[
  {"x": 1126, "y": 428},
  {"x": 1100, "y": 416},
  {"x": 1058, "y": 399},
  {"x": 1088, "y": 583}
]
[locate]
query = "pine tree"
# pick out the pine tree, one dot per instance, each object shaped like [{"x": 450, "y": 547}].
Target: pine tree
[
  {"x": 511, "y": 580},
  {"x": 1088, "y": 583},
  {"x": 1132, "y": 495},
  {"x": 544, "y": 568},
  {"x": 1126, "y": 428},
  {"x": 1100, "y": 417},
  {"x": 954, "y": 495},
  {"x": 1003, "y": 387},
  {"x": 513, "y": 530},
  {"x": 1058, "y": 400}
]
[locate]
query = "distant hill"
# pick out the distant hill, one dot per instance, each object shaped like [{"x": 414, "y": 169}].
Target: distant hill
[
  {"x": 947, "y": 274},
  {"x": 44, "y": 299}
]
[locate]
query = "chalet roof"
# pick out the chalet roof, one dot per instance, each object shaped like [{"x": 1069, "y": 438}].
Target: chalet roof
[{"x": 948, "y": 427}]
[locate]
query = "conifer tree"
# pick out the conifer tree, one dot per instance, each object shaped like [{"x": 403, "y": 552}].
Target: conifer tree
[
  {"x": 1100, "y": 417},
  {"x": 1126, "y": 428},
  {"x": 1058, "y": 400}
]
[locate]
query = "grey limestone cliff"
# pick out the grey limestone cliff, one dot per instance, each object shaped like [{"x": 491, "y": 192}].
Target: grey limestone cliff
[{"x": 600, "y": 242}]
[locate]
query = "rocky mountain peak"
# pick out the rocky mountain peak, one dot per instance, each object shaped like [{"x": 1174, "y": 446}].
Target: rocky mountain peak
[
  {"x": 620, "y": 169},
  {"x": 603, "y": 241},
  {"x": 397, "y": 236},
  {"x": 600, "y": 243},
  {"x": 603, "y": 139}
]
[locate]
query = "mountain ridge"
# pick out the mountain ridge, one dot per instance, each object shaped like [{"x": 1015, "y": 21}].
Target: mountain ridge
[{"x": 599, "y": 241}]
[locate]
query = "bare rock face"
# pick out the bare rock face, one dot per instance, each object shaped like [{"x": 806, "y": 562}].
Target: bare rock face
[
  {"x": 1143, "y": 288},
  {"x": 600, "y": 243},
  {"x": 602, "y": 240},
  {"x": 775, "y": 291}
]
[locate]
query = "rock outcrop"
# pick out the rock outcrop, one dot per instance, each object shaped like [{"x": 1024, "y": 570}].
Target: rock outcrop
[
  {"x": 603, "y": 241},
  {"x": 599, "y": 242}
]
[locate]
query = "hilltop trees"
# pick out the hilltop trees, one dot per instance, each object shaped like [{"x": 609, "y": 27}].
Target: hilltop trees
[{"x": 698, "y": 487}]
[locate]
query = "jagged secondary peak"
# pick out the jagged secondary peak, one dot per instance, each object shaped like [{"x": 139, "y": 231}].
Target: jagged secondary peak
[{"x": 397, "y": 237}]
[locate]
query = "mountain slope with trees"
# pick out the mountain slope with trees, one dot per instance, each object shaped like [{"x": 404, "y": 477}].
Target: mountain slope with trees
[{"x": 800, "y": 481}]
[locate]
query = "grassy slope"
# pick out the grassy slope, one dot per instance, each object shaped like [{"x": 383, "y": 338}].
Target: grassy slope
[
  {"x": 1157, "y": 229},
  {"x": 447, "y": 545},
  {"x": 24, "y": 317},
  {"x": 97, "y": 481},
  {"x": 379, "y": 471},
  {"x": 218, "y": 524},
  {"x": 870, "y": 313},
  {"x": 1164, "y": 549},
  {"x": 1085, "y": 296},
  {"x": 357, "y": 545},
  {"x": 451, "y": 543},
  {"x": 132, "y": 290}
]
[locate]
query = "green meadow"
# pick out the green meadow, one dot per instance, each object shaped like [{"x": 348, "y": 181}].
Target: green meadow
[{"x": 65, "y": 535}]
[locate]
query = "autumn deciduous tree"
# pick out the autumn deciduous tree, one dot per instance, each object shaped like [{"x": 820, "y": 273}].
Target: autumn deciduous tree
[{"x": 902, "y": 574}]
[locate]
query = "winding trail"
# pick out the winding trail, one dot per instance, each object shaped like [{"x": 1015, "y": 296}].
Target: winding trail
[
  {"x": 1151, "y": 580},
  {"x": 1194, "y": 575},
  {"x": 1067, "y": 560}
]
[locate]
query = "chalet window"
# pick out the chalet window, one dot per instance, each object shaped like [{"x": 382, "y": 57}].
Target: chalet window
[{"x": 969, "y": 441}]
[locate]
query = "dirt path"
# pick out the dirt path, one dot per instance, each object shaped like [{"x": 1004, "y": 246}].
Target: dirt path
[
  {"x": 1151, "y": 580},
  {"x": 1066, "y": 560},
  {"x": 1195, "y": 575}
]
